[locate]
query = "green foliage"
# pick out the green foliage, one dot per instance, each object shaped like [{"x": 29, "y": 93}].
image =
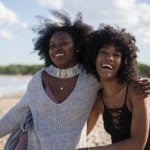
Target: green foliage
[
  {"x": 144, "y": 70},
  {"x": 20, "y": 69}
]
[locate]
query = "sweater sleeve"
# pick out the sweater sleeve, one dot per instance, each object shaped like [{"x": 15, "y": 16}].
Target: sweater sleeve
[{"x": 12, "y": 118}]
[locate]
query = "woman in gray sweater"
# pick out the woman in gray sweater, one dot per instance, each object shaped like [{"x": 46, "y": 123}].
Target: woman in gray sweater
[{"x": 59, "y": 96}]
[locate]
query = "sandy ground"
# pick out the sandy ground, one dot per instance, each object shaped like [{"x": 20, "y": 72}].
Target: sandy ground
[
  {"x": 5, "y": 105},
  {"x": 97, "y": 137}
]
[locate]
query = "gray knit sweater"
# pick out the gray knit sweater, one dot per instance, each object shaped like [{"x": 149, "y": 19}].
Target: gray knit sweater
[{"x": 55, "y": 126}]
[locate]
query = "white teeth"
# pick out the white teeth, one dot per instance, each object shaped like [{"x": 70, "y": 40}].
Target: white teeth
[
  {"x": 57, "y": 55},
  {"x": 107, "y": 65}
]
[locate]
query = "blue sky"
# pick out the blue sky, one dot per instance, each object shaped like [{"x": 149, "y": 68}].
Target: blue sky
[{"x": 17, "y": 17}]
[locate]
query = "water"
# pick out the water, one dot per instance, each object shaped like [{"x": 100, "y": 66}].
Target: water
[{"x": 11, "y": 84}]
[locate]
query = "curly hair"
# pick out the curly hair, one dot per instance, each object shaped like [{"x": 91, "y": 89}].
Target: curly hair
[
  {"x": 48, "y": 26},
  {"x": 123, "y": 41}
]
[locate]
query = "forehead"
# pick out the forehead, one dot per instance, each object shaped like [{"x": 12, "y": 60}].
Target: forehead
[
  {"x": 111, "y": 47},
  {"x": 61, "y": 35}
]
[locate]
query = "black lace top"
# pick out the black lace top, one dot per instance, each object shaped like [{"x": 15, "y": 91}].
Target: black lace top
[{"x": 117, "y": 121}]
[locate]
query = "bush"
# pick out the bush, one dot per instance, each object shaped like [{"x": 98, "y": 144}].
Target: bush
[{"x": 20, "y": 69}]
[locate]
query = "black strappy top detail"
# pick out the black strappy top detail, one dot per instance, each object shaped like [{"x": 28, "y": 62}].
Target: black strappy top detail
[{"x": 117, "y": 121}]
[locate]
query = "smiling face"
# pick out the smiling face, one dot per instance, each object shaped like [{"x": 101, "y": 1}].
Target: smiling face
[
  {"x": 108, "y": 62},
  {"x": 62, "y": 51}
]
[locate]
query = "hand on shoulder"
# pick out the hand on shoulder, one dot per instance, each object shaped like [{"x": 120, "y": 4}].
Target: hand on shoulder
[{"x": 141, "y": 86}]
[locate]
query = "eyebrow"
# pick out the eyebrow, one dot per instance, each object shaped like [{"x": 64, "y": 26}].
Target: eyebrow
[{"x": 104, "y": 47}]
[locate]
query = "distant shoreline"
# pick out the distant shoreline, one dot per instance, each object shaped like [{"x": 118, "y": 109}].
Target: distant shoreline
[
  {"x": 13, "y": 85},
  {"x": 17, "y": 75}
]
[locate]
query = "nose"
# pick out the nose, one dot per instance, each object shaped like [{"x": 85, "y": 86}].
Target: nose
[
  {"x": 110, "y": 57},
  {"x": 57, "y": 47}
]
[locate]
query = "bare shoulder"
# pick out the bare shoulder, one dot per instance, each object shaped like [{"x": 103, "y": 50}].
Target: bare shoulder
[{"x": 132, "y": 92}]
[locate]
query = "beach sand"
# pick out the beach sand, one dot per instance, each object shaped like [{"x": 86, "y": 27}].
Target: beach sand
[
  {"x": 5, "y": 104},
  {"x": 97, "y": 137}
]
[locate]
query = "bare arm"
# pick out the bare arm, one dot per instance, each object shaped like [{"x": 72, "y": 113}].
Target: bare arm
[
  {"x": 139, "y": 126},
  {"x": 93, "y": 117}
]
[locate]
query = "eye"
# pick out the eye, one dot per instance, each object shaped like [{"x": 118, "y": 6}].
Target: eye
[
  {"x": 64, "y": 43},
  {"x": 117, "y": 55},
  {"x": 101, "y": 52},
  {"x": 52, "y": 46}
]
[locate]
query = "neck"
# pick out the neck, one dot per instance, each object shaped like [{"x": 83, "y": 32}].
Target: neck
[
  {"x": 111, "y": 88},
  {"x": 70, "y": 65}
]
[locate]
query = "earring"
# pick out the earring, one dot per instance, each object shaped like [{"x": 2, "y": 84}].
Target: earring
[{"x": 77, "y": 51}]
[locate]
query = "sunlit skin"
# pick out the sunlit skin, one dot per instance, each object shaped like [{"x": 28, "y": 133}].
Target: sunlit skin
[
  {"x": 62, "y": 51},
  {"x": 108, "y": 62}
]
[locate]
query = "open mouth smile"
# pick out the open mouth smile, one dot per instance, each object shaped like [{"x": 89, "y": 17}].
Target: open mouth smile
[
  {"x": 59, "y": 55},
  {"x": 107, "y": 66}
]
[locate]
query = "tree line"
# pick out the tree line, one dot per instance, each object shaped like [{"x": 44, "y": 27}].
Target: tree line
[
  {"x": 144, "y": 70},
  {"x": 19, "y": 69}
]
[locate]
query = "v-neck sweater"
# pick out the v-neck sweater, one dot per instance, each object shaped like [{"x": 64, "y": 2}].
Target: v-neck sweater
[{"x": 56, "y": 126}]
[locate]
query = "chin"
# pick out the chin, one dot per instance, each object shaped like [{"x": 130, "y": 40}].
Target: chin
[{"x": 107, "y": 77}]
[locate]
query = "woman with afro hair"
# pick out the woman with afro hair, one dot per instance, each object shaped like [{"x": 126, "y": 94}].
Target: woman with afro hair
[
  {"x": 111, "y": 58},
  {"x": 60, "y": 96}
]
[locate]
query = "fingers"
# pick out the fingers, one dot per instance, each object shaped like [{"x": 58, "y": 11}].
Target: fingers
[
  {"x": 147, "y": 92},
  {"x": 141, "y": 87},
  {"x": 144, "y": 83}
]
